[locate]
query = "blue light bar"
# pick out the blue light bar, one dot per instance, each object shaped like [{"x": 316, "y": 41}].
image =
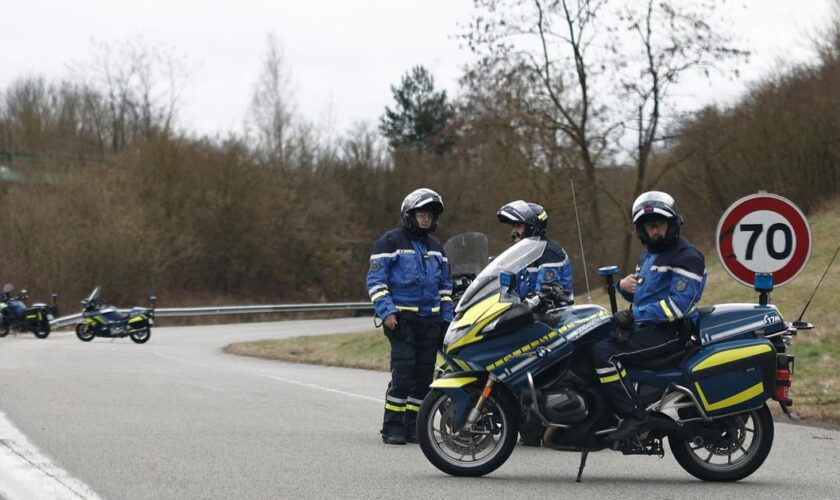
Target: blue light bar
[
  {"x": 607, "y": 270},
  {"x": 507, "y": 279},
  {"x": 763, "y": 282}
]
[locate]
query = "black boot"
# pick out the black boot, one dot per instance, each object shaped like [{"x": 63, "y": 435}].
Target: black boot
[
  {"x": 633, "y": 424},
  {"x": 393, "y": 439}
]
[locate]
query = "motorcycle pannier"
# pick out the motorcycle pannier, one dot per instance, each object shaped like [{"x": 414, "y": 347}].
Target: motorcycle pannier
[{"x": 732, "y": 376}]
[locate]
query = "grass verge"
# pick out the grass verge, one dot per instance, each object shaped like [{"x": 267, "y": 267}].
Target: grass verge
[{"x": 367, "y": 350}]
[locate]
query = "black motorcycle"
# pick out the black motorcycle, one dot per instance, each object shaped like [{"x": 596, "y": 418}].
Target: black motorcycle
[
  {"x": 102, "y": 320},
  {"x": 17, "y": 316}
]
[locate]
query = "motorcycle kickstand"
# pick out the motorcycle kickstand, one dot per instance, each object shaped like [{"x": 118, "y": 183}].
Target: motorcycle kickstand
[{"x": 583, "y": 455}]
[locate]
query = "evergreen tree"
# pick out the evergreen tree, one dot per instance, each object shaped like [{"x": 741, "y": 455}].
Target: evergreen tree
[{"x": 420, "y": 116}]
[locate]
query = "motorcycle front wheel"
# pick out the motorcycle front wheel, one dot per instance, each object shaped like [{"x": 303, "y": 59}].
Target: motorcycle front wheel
[
  {"x": 141, "y": 336},
  {"x": 472, "y": 453},
  {"x": 744, "y": 442},
  {"x": 84, "y": 332}
]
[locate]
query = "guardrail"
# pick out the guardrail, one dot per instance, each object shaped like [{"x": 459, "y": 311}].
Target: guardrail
[{"x": 178, "y": 312}]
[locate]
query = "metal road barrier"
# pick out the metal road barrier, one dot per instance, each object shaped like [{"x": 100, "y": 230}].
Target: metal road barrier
[{"x": 179, "y": 312}]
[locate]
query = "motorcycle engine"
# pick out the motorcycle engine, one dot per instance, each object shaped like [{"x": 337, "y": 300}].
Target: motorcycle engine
[{"x": 563, "y": 405}]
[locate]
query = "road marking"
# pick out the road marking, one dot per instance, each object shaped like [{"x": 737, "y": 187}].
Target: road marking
[
  {"x": 281, "y": 379},
  {"x": 26, "y": 473},
  {"x": 323, "y": 388}
]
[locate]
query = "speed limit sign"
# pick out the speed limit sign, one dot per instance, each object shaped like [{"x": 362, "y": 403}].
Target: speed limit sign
[{"x": 763, "y": 233}]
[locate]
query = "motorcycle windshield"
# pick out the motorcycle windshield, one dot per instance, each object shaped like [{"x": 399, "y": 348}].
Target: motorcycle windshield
[
  {"x": 467, "y": 253},
  {"x": 93, "y": 295},
  {"x": 512, "y": 260}
]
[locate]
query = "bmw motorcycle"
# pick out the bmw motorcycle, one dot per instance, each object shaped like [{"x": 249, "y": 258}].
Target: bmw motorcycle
[
  {"x": 102, "y": 320},
  {"x": 16, "y": 316},
  {"x": 510, "y": 366}
]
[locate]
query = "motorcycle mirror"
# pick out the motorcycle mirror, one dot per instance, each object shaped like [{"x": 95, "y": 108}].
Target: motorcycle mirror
[
  {"x": 802, "y": 325},
  {"x": 153, "y": 298},
  {"x": 8, "y": 288},
  {"x": 24, "y": 291}
]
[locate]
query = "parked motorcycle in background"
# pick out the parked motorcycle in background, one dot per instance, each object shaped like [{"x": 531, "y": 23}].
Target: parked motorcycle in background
[
  {"x": 102, "y": 320},
  {"x": 16, "y": 316}
]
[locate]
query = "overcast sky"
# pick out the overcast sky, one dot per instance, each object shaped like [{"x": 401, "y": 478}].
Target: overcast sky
[{"x": 344, "y": 54}]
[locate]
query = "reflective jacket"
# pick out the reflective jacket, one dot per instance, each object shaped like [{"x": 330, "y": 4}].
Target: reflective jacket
[
  {"x": 670, "y": 283},
  {"x": 553, "y": 266},
  {"x": 409, "y": 273}
]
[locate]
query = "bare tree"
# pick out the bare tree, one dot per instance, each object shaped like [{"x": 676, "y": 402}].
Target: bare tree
[
  {"x": 599, "y": 72},
  {"x": 272, "y": 109},
  {"x": 136, "y": 89}
]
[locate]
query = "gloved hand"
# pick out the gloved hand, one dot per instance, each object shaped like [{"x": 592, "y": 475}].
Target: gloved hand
[
  {"x": 555, "y": 294},
  {"x": 624, "y": 319}
]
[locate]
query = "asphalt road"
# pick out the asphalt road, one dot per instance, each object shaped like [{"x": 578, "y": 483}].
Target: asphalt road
[{"x": 178, "y": 418}]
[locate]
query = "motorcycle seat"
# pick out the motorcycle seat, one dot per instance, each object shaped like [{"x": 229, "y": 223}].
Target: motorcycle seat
[{"x": 655, "y": 363}]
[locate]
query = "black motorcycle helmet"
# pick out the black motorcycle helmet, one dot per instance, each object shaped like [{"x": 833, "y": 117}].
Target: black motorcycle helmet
[
  {"x": 421, "y": 198},
  {"x": 532, "y": 215},
  {"x": 656, "y": 205}
]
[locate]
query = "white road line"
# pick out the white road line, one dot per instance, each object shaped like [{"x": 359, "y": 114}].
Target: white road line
[
  {"x": 322, "y": 388},
  {"x": 281, "y": 379},
  {"x": 25, "y": 473}
]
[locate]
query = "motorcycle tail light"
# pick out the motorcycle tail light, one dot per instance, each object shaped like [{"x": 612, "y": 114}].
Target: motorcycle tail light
[{"x": 782, "y": 384}]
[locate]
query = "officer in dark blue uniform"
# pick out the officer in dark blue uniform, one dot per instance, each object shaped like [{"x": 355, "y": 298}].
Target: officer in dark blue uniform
[
  {"x": 669, "y": 281},
  {"x": 552, "y": 272},
  {"x": 554, "y": 266},
  {"x": 410, "y": 285}
]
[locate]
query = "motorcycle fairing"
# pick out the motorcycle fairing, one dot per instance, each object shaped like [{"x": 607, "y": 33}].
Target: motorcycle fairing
[
  {"x": 736, "y": 321},
  {"x": 475, "y": 319}
]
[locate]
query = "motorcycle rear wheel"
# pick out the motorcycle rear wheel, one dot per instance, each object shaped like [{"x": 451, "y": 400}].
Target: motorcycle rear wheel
[
  {"x": 747, "y": 437},
  {"x": 141, "y": 336},
  {"x": 474, "y": 453},
  {"x": 42, "y": 331},
  {"x": 84, "y": 332}
]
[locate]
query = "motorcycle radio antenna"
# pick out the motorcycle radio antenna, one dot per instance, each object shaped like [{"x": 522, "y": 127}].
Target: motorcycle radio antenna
[
  {"x": 580, "y": 238},
  {"x": 818, "y": 285}
]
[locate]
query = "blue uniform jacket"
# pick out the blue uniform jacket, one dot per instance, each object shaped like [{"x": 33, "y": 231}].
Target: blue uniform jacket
[
  {"x": 409, "y": 273},
  {"x": 671, "y": 283},
  {"x": 553, "y": 266}
]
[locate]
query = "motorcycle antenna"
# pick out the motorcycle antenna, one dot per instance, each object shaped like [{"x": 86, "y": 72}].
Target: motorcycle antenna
[
  {"x": 580, "y": 238},
  {"x": 818, "y": 285}
]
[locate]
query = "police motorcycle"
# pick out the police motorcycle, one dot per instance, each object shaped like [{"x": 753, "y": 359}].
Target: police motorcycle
[
  {"x": 509, "y": 365},
  {"x": 16, "y": 316},
  {"x": 102, "y": 320}
]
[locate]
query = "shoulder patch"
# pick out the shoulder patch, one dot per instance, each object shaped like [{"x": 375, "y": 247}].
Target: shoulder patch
[
  {"x": 375, "y": 266},
  {"x": 549, "y": 275},
  {"x": 681, "y": 285}
]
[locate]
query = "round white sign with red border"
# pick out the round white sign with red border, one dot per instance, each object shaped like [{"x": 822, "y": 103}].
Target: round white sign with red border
[{"x": 763, "y": 233}]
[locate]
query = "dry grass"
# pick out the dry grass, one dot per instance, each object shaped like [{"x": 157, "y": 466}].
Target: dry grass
[{"x": 368, "y": 350}]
